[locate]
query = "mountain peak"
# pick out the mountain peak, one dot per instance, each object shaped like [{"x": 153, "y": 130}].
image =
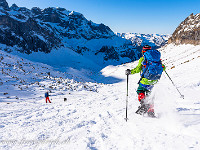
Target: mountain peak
[
  {"x": 14, "y": 6},
  {"x": 188, "y": 31},
  {"x": 4, "y": 4}
]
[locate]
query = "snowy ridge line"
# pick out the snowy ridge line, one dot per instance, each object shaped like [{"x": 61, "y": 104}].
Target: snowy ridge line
[{"x": 138, "y": 39}]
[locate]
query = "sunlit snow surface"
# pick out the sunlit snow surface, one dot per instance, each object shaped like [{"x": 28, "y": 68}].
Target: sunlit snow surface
[{"x": 93, "y": 115}]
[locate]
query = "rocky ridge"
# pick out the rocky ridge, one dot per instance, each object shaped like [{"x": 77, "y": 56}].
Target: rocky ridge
[{"x": 188, "y": 32}]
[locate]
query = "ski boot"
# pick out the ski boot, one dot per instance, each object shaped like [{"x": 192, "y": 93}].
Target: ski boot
[
  {"x": 150, "y": 111},
  {"x": 142, "y": 108}
]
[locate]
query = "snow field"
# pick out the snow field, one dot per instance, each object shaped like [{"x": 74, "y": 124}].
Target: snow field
[
  {"x": 95, "y": 120},
  {"x": 21, "y": 78}
]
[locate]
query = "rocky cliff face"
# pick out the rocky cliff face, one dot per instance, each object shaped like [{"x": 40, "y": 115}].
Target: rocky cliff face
[
  {"x": 188, "y": 32},
  {"x": 25, "y": 33},
  {"x": 41, "y": 30},
  {"x": 4, "y": 4}
]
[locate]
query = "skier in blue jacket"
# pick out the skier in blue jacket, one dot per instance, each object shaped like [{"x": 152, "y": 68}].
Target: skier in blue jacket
[{"x": 47, "y": 97}]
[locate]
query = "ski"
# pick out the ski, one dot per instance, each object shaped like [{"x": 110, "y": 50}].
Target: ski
[{"x": 143, "y": 109}]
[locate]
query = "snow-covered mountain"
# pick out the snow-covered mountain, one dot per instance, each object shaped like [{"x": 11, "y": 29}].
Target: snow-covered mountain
[
  {"x": 46, "y": 30},
  {"x": 38, "y": 27},
  {"x": 154, "y": 40},
  {"x": 188, "y": 32}
]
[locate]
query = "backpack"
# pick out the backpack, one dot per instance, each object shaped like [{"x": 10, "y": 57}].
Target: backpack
[
  {"x": 46, "y": 94},
  {"x": 152, "y": 66}
]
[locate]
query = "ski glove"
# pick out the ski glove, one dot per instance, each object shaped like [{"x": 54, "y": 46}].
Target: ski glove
[{"x": 128, "y": 71}]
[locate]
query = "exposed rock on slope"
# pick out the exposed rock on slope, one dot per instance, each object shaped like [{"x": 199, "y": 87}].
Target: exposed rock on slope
[{"x": 188, "y": 32}]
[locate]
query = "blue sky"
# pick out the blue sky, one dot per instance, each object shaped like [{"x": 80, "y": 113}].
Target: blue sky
[{"x": 134, "y": 16}]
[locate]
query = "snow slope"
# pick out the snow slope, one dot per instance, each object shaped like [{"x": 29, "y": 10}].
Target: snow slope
[
  {"x": 22, "y": 79},
  {"x": 95, "y": 119}
]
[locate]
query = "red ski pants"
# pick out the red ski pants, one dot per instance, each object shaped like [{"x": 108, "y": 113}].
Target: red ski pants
[{"x": 47, "y": 98}]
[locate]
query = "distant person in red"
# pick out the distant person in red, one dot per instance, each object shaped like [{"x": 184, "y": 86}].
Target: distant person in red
[{"x": 47, "y": 97}]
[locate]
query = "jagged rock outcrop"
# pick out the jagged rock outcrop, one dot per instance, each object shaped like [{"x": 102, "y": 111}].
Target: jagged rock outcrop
[
  {"x": 27, "y": 35},
  {"x": 4, "y": 4},
  {"x": 188, "y": 32}
]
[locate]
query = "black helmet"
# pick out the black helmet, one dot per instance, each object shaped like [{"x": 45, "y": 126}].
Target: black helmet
[{"x": 146, "y": 48}]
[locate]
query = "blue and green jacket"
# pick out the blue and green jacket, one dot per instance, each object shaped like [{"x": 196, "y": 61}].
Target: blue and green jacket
[{"x": 144, "y": 82}]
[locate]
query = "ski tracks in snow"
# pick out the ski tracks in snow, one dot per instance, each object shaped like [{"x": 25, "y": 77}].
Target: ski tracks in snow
[{"x": 91, "y": 122}]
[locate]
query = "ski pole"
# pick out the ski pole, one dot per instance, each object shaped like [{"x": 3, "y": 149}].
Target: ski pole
[
  {"x": 182, "y": 96},
  {"x": 127, "y": 101}
]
